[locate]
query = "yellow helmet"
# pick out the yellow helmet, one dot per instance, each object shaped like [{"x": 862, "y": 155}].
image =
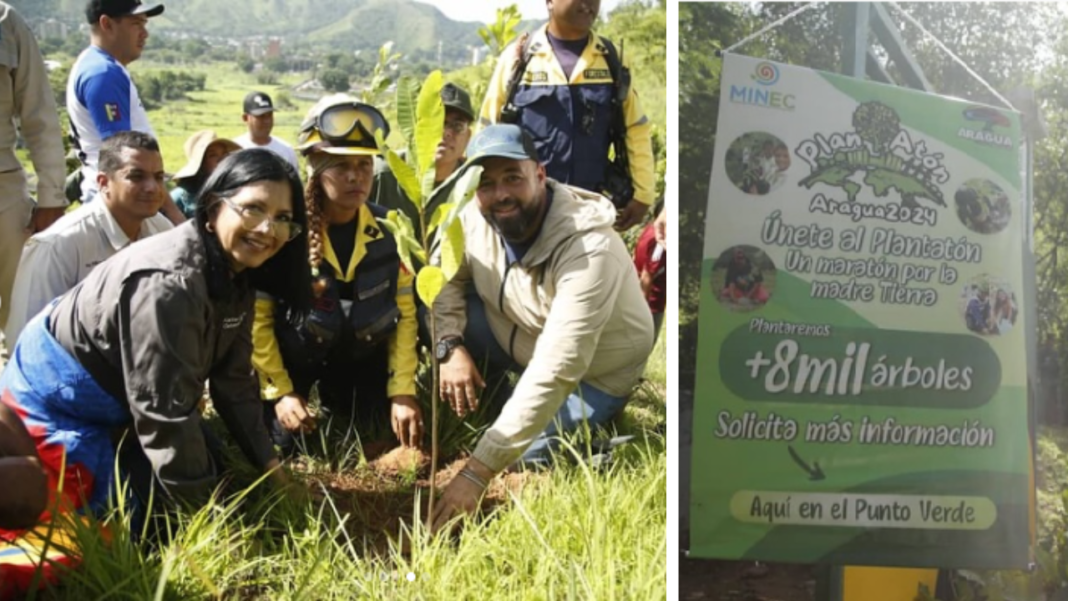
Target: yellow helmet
[{"x": 341, "y": 124}]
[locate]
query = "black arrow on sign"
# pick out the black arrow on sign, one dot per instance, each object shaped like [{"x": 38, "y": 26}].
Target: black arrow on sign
[{"x": 814, "y": 473}]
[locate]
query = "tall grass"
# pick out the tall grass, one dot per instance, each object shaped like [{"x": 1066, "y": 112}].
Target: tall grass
[{"x": 573, "y": 533}]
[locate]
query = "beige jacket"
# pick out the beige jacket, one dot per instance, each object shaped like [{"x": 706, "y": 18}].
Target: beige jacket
[
  {"x": 27, "y": 104},
  {"x": 572, "y": 310}
]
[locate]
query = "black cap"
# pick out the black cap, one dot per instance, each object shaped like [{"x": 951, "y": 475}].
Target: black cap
[
  {"x": 258, "y": 103},
  {"x": 455, "y": 97},
  {"x": 94, "y": 9}
]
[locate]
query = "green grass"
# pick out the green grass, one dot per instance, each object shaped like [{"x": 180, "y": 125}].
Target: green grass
[
  {"x": 218, "y": 107},
  {"x": 571, "y": 533},
  {"x": 576, "y": 534}
]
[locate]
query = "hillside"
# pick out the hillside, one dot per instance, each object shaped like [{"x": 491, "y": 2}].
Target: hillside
[
  {"x": 342, "y": 24},
  {"x": 410, "y": 24}
]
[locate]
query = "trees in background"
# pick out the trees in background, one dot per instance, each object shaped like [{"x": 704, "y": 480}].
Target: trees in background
[
  {"x": 157, "y": 87},
  {"x": 334, "y": 80},
  {"x": 703, "y": 29}
]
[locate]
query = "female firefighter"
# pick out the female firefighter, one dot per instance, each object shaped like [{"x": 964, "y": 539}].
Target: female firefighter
[{"x": 359, "y": 342}]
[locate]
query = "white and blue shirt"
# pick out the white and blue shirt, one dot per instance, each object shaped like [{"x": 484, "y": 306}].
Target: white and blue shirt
[{"x": 102, "y": 100}]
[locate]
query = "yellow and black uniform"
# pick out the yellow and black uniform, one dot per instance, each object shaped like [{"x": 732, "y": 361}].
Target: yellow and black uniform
[
  {"x": 359, "y": 342},
  {"x": 569, "y": 117}
]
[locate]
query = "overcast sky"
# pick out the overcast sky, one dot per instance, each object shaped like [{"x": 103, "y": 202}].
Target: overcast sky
[{"x": 485, "y": 11}]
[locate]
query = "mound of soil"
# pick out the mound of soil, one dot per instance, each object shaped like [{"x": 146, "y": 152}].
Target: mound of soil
[
  {"x": 401, "y": 461},
  {"x": 379, "y": 499}
]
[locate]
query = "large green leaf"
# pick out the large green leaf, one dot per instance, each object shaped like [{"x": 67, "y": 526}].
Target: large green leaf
[
  {"x": 398, "y": 224},
  {"x": 407, "y": 103},
  {"x": 417, "y": 251},
  {"x": 430, "y": 121},
  {"x": 406, "y": 178},
  {"x": 452, "y": 249},
  {"x": 449, "y": 238},
  {"x": 510, "y": 26},
  {"x": 429, "y": 284},
  {"x": 439, "y": 215},
  {"x": 412, "y": 250},
  {"x": 428, "y": 182},
  {"x": 462, "y": 193}
]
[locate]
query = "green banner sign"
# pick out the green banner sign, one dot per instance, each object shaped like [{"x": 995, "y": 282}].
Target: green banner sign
[{"x": 862, "y": 386}]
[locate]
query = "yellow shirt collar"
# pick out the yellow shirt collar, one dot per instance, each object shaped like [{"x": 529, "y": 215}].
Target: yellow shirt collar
[{"x": 367, "y": 230}]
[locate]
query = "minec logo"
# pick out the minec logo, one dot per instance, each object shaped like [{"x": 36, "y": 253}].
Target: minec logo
[
  {"x": 990, "y": 117},
  {"x": 765, "y": 75},
  {"x": 260, "y": 100}
]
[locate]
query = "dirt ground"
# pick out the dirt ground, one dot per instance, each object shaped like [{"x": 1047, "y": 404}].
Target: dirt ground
[
  {"x": 379, "y": 501},
  {"x": 717, "y": 580}
]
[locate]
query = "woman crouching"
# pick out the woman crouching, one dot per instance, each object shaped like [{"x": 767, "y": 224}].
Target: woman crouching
[
  {"x": 359, "y": 342},
  {"x": 117, "y": 366}
]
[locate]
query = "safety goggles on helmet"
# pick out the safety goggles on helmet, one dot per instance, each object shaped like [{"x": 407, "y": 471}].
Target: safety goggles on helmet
[{"x": 347, "y": 127}]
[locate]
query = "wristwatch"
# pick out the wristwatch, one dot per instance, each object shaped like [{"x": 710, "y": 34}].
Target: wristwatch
[{"x": 444, "y": 347}]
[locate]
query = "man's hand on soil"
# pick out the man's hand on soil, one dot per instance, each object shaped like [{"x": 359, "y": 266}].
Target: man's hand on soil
[
  {"x": 462, "y": 497},
  {"x": 460, "y": 382}
]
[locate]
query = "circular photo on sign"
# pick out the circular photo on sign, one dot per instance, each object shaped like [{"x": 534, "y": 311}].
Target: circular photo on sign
[
  {"x": 988, "y": 306},
  {"x": 743, "y": 278},
  {"x": 757, "y": 163},
  {"x": 982, "y": 206}
]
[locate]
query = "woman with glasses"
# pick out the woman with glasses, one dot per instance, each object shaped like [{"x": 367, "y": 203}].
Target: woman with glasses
[
  {"x": 359, "y": 342},
  {"x": 115, "y": 368}
]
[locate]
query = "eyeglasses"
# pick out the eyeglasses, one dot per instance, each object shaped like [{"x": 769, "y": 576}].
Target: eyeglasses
[
  {"x": 254, "y": 217},
  {"x": 456, "y": 126}
]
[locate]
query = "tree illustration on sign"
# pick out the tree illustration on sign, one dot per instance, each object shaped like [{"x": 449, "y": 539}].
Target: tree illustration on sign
[{"x": 879, "y": 128}]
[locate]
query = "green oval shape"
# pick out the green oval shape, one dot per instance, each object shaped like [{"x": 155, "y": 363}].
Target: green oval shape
[{"x": 856, "y": 366}]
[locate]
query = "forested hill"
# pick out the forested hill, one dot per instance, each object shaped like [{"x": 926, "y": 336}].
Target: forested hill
[{"x": 345, "y": 24}]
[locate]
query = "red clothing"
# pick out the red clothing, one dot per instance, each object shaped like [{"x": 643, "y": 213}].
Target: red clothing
[{"x": 650, "y": 256}]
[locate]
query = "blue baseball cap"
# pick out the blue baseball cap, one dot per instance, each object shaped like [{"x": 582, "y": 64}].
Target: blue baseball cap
[{"x": 503, "y": 140}]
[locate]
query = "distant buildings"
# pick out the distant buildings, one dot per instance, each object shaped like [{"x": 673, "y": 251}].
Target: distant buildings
[
  {"x": 259, "y": 48},
  {"x": 478, "y": 53},
  {"x": 274, "y": 48},
  {"x": 51, "y": 28},
  {"x": 298, "y": 55}
]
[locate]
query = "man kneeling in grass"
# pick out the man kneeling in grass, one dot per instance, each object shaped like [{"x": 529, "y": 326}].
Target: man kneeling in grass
[{"x": 555, "y": 296}]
